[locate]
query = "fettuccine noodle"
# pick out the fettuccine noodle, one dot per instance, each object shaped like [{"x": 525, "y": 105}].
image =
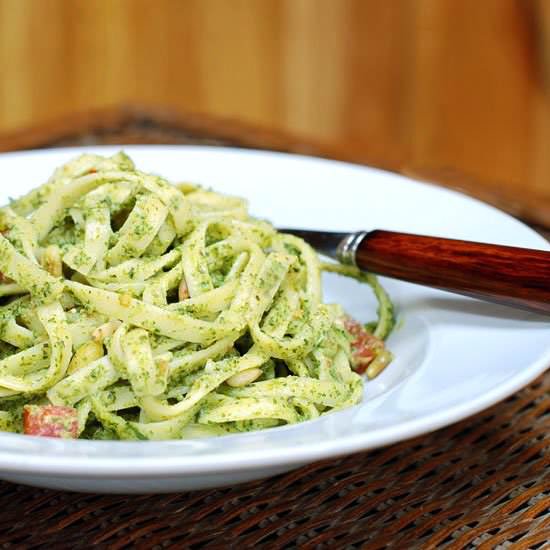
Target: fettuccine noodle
[{"x": 131, "y": 308}]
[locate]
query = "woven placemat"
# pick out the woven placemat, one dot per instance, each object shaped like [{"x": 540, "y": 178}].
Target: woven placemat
[{"x": 481, "y": 483}]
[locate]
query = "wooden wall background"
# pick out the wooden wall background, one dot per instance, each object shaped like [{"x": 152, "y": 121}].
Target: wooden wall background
[{"x": 453, "y": 91}]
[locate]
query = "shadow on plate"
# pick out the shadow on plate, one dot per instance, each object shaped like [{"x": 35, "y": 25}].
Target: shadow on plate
[{"x": 465, "y": 310}]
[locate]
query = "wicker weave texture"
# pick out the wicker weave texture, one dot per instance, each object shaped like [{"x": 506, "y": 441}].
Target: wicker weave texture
[{"x": 482, "y": 483}]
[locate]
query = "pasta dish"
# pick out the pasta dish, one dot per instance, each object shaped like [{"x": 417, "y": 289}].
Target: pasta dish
[{"x": 131, "y": 308}]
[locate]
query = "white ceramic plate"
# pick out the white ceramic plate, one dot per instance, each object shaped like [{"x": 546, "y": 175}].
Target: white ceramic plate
[{"x": 454, "y": 356}]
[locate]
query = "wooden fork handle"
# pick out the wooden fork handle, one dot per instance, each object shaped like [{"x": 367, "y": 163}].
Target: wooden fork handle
[{"x": 507, "y": 275}]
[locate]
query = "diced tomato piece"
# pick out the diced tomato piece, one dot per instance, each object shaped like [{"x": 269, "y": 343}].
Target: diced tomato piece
[
  {"x": 355, "y": 328},
  {"x": 50, "y": 421},
  {"x": 364, "y": 346}
]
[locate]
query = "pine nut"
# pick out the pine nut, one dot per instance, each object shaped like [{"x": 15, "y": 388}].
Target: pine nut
[
  {"x": 84, "y": 355},
  {"x": 244, "y": 378},
  {"x": 379, "y": 363},
  {"x": 124, "y": 300},
  {"x": 105, "y": 330}
]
